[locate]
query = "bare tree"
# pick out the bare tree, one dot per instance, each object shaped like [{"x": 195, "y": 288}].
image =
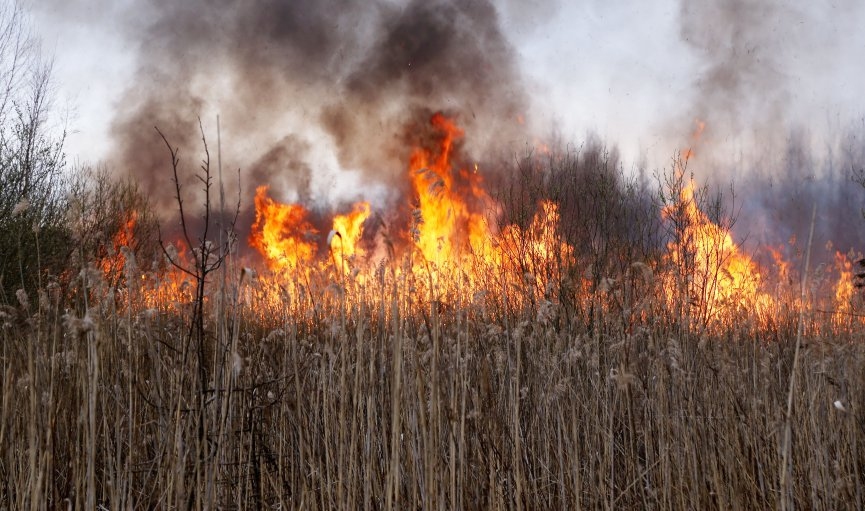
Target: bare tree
[
  {"x": 32, "y": 237},
  {"x": 208, "y": 351}
]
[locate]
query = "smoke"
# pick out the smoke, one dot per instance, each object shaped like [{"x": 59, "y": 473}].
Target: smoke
[
  {"x": 760, "y": 66},
  {"x": 319, "y": 98},
  {"x": 742, "y": 49},
  {"x": 757, "y": 89},
  {"x": 777, "y": 198},
  {"x": 311, "y": 94}
]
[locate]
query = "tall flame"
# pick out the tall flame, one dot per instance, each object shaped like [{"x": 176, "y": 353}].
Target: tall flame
[
  {"x": 843, "y": 288},
  {"x": 346, "y": 234},
  {"x": 720, "y": 277},
  {"x": 112, "y": 264},
  {"x": 451, "y": 226},
  {"x": 282, "y": 233}
]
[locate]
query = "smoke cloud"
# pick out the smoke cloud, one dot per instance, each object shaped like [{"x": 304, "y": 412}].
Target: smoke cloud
[
  {"x": 319, "y": 98},
  {"x": 742, "y": 47},
  {"x": 291, "y": 78}
]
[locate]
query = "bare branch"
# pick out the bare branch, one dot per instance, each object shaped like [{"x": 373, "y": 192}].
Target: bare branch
[{"x": 175, "y": 161}]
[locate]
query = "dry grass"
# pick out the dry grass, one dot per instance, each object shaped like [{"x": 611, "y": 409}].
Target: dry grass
[{"x": 368, "y": 396}]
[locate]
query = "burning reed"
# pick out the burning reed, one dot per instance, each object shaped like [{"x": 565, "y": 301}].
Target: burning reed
[{"x": 482, "y": 350}]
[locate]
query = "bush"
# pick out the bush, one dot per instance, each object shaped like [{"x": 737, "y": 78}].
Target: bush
[{"x": 31, "y": 164}]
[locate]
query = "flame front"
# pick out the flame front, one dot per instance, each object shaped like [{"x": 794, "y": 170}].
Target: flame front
[{"x": 453, "y": 249}]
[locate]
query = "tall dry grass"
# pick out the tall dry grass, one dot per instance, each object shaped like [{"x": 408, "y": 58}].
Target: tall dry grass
[
  {"x": 561, "y": 378},
  {"x": 383, "y": 394}
]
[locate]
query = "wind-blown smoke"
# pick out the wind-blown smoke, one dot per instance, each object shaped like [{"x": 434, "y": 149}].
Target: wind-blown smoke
[
  {"x": 292, "y": 78},
  {"x": 758, "y": 62},
  {"x": 741, "y": 48}
]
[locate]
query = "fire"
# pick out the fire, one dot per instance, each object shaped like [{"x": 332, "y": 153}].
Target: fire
[
  {"x": 282, "y": 233},
  {"x": 843, "y": 288},
  {"x": 452, "y": 249},
  {"x": 450, "y": 225},
  {"x": 715, "y": 278},
  {"x": 455, "y": 218},
  {"x": 346, "y": 233},
  {"x": 452, "y": 241},
  {"x": 539, "y": 248},
  {"x": 782, "y": 266},
  {"x": 112, "y": 264},
  {"x": 172, "y": 286},
  {"x": 719, "y": 277}
]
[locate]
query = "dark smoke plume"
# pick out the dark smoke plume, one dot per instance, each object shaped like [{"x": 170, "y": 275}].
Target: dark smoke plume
[{"x": 290, "y": 77}]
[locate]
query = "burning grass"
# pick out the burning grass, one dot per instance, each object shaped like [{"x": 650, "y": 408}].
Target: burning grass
[
  {"x": 355, "y": 395},
  {"x": 474, "y": 362}
]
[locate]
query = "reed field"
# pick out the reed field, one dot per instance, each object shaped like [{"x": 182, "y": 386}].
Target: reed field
[
  {"x": 542, "y": 330},
  {"x": 530, "y": 373}
]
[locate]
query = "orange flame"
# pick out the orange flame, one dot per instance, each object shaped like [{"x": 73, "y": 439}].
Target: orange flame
[
  {"x": 721, "y": 278},
  {"x": 843, "y": 288},
  {"x": 540, "y": 248},
  {"x": 112, "y": 264},
  {"x": 282, "y": 233},
  {"x": 346, "y": 233},
  {"x": 450, "y": 226},
  {"x": 782, "y": 266}
]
